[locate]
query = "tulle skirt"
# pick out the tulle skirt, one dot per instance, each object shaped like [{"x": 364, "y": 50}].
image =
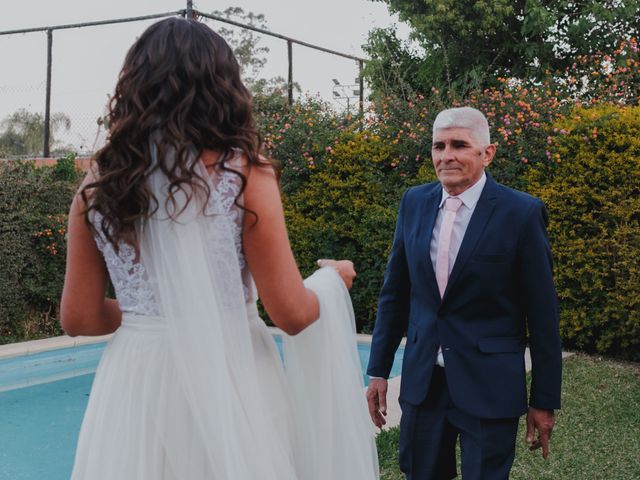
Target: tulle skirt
[{"x": 137, "y": 426}]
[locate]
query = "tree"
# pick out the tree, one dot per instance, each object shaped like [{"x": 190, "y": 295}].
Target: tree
[
  {"x": 245, "y": 43},
  {"x": 22, "y": 132},
  {"x": 250, "y": 54},
  {"x": 393, "y": 66},
  {"x": 467, "y": 43}
]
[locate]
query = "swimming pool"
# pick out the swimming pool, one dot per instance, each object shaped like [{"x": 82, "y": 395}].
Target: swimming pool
[{"x": 42, "y": 400}]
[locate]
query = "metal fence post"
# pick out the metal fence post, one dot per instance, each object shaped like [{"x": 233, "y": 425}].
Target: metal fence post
[
  {"x": 47, "y": 107},
  {"x": 189, "y": 13},
  {"x": 360, "y": 67},
  {"x": 290, "y": 80}
]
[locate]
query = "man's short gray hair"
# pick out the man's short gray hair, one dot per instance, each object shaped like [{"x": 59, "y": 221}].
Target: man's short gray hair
[{"x": 464, "y": 117}]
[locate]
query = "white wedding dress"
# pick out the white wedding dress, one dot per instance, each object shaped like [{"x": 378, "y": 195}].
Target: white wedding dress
[{"x": 191, "y": 385}]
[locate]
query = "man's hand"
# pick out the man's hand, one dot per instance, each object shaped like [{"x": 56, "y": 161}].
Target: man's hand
[
  {"x": 377, "y": 401},
  {"x": 542, "y": 421}
]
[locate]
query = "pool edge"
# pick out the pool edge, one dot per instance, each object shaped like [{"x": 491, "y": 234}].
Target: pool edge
[
  {"x": 64, "y": 341},
  {"x": 45, "y": 344}
]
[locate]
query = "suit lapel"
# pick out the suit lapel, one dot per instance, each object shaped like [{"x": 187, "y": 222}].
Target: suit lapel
[
  {"x": 428, "y": 214},
  {"x": 478, "y": 222}
]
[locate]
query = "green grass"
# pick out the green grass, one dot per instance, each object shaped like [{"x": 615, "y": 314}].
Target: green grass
[{"x": 597, "y": 433}]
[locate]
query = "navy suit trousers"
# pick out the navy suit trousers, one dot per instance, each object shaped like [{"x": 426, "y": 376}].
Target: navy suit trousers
[{"x": 429, "y": 431}]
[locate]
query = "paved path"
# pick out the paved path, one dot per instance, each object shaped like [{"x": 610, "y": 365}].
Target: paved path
[{"x": 393, "y": 392}]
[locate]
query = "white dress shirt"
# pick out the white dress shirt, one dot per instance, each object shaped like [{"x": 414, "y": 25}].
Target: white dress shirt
[{"x": 469, "y": 199}]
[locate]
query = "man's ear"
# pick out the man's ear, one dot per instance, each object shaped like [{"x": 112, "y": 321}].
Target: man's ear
[{"x": 489, "y": 153}]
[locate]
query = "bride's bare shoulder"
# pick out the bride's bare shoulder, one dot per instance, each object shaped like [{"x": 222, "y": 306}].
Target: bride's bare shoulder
[
  {"x": 92, "y": 176},
  {"x": 261, "y": 179}
]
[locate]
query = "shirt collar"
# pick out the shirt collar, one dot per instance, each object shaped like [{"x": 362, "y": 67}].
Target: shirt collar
[{"x": 470, "y": 196}]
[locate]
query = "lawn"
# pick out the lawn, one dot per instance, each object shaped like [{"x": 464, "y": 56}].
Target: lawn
[{"x": 597, "y": 434}]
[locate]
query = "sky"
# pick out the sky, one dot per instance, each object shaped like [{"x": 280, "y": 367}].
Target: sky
[{"x": 86, "y": 61}]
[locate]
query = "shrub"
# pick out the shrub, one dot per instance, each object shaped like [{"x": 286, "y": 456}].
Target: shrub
[
  {"x": 300, "y": 137},
  {"x": 348, "y": 210},
  {"x": 592, "y": 193},
  {"x": 406, "y": 126},
  {"x": 33, "y": 203},
  {"x": 521, "y": 118}
]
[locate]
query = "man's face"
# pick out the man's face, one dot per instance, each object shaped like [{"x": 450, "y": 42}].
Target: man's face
[{"x": 459, "y": 159}]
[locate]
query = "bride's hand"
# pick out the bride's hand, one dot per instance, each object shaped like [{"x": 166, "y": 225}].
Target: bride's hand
[{"x": 343, "y": 267}]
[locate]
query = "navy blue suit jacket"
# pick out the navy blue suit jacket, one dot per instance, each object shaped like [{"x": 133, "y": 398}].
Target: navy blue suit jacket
[{"x": 500, "y": 295}]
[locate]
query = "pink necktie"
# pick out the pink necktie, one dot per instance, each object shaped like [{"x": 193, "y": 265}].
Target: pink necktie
[{"x": 451, "y": 206}]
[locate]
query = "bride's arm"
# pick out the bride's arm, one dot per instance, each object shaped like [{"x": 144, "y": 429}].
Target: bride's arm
[
  {"x": 84, "y": 310},
  {"x": 290, "y": 305}
]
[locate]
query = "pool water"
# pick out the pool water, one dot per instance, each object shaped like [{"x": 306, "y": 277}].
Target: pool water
[
  {"x": 42, "y": 402},
  {"x": 39, "y": 428}
]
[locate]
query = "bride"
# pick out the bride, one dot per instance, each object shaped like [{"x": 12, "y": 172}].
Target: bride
[{"x": 185, "y": 217}]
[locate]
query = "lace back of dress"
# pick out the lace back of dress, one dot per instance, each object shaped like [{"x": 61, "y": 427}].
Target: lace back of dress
[{"x": 133, "y": 283}]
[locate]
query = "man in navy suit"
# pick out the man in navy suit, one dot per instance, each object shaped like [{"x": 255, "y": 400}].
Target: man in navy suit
[{"x": 469, "y": 280}]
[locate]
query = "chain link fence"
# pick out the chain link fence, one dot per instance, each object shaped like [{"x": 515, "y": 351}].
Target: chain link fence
[{"x": 48, "y": 109}]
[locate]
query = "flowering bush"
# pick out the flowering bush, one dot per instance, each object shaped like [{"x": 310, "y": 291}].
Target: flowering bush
[
  {"x": 522, "y": 114},
  {"x": 593, "y": 200},
  {"x": 406, "y": 127},
  {"x": 32, "y": 246},
  {"x": 347, "y": 210},
  {"x": 343, "y": 176},
  {"x": 521, "y": 119},
  {"x": 533, "y": 124},
  {"x": 51, "y": 236},
  {"x": 602, "y": 77},
  {"x": 300, "y": 137},
  {"x": 46, "y": 276}
]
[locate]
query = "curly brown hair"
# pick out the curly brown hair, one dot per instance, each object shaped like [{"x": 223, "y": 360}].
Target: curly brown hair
[{"x": 179, "y": 88}]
